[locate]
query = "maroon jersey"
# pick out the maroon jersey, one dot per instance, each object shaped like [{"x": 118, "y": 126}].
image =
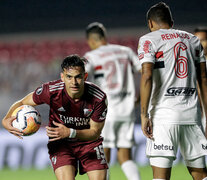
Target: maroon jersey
[{"x": 73, "y": 114}]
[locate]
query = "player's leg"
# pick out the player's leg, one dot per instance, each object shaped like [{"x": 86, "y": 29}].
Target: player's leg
[
  {"x": 92, "y": 160},
  {"x": 193, "y": 148},
  {"x": 162, "y": 149},
  {"x": 63, "y": 161},
  {"x": 109, "y": 140},
  {"x": 197, "y": 168},
  {"x": 97, "y": 174},
  {"x": 107, "y": 152},
  {"x": 65, "y": 173},
  {"x": 123, "y": 154},
  {"x": 125, "y": 141},
  {"x": 129, "y": 167},
  {"x": 161, "y": 167}
]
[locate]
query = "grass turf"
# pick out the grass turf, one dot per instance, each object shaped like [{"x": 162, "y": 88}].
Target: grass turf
[{"x": 179, "y": 172}]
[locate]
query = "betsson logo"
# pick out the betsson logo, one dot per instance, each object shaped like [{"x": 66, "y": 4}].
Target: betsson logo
[{"x": 163, "y": 147}]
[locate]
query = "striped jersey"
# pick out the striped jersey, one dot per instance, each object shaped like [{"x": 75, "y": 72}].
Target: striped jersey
[
  {"x": 174, "y": 54},
  {"x": 111, "y": 67},
  {"x": 73, "y": 114}
]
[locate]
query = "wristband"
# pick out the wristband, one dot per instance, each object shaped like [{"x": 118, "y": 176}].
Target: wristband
[{"x": 72, "y": 133}]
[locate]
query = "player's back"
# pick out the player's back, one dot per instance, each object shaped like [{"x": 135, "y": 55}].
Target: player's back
[
  {"x": 174, "y": 77},
  {"x": 111, "y": 67}
]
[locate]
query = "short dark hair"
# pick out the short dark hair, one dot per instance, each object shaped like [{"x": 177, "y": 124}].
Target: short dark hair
[
  {"x": 200, "y": 29},
  {"x": 159, "y": 13},
  {"x": 72, "y": 61},
  {"x": 96, "y": 28}
]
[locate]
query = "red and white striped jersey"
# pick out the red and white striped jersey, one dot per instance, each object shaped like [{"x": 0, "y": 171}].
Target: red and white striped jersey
[
  {"x": 174, "y": 53},
  {"x": 111, "y": 67}
]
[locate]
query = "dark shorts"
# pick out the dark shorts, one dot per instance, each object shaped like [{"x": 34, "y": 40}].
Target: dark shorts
[{"x": 86, "y": 156}]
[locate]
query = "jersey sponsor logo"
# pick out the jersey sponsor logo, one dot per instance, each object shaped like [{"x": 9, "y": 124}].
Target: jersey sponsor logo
[
  {"x": 204, "y": 147},
  {"x": 87, "y": 112},
  {"x": 39, "y": 90},
  {"x": 61, "y": 109},
  {"x": 180, "y": 91},
  {"x": 163, "y": 147},
  {"x": 77, "y": 121}
]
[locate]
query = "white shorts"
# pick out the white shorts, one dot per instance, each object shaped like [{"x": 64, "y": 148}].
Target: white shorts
[
  {"x": 167, "y": 162},
  {"x": 118, "y": 134},
  {"x": 167, "y": 138}
]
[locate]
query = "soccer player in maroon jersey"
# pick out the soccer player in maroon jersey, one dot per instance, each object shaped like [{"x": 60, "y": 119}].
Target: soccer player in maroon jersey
[{"x": 77, "y": 114}]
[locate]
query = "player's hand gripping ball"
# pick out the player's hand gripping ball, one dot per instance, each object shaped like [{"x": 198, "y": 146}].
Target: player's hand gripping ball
[{"x": 27, "y": 120}]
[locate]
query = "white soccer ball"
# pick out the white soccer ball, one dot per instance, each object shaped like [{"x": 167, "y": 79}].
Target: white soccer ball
[{"x": 27, "y": 120}]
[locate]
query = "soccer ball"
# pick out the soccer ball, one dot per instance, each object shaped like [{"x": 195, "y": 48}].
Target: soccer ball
[{"x": 27, "y": 119}]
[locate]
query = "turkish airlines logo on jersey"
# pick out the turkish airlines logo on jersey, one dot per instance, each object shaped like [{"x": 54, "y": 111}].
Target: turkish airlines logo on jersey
[
  {"x": 180, "y": 91},
  {"x": 87, "y": 112}
]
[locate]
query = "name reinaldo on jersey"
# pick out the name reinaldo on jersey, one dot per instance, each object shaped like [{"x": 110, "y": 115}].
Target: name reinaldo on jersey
[{"x": 180, "y": 91}]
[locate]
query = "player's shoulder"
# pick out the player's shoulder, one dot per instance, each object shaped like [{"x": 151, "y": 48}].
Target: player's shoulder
[
  {"x": 55, "y": 86},
  {"x": 94, "y": 91}
]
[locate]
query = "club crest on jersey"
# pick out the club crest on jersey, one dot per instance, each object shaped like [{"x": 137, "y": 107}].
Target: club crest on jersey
[
  {"x": 54, "y": 159},
  {"x": 87, "y": 112},
  {"x": 39, "y": 90},
  {"x": 147, "y": 47}
]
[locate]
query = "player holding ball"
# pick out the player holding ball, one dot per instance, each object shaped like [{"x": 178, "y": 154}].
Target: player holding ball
[{"x": 77, "y": 114}]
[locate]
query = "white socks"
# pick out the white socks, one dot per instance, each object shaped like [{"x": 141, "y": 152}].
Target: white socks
[
  {"x": 130, "y": 170},
  {"x": 108, "y": 174}
]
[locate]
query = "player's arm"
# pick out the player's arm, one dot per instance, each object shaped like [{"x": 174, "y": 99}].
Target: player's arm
[
  {"x": 8, "y": 119},
  {"x": 145, "y": 94},
  {"x": 61, "y": 132},
  {"x": 202, "y": 81}
]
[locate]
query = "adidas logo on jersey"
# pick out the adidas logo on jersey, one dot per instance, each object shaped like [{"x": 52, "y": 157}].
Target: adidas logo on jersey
[{"x": 61, "y": 109}]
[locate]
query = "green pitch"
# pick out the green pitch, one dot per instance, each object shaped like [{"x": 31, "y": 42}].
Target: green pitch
[{"x": 179, "y": 172}]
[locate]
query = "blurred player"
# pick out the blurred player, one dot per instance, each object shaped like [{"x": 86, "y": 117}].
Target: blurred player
[
  {"x": 172, "y": 61},
  {"x": 111, "y": 67},
  {"x": 201, "y": 33},
  {"x": 77, "y": 115}
]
